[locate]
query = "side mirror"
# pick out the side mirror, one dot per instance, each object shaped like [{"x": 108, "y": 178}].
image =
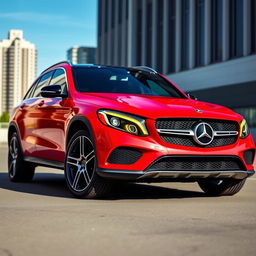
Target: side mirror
[
  {"x": 192, "y": 97},
  {"x": 51, "y": 91}
]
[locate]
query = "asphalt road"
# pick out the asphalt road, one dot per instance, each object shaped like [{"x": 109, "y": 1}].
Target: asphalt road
[{"x": 42, "y": 218}]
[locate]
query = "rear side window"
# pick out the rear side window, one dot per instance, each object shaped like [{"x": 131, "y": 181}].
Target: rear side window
[
  {"x": 59, "y": 78},
  {"x": 44, "y": 81}
]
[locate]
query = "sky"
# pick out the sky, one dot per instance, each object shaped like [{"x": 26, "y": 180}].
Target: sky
[{"x": 52, "y": 25}]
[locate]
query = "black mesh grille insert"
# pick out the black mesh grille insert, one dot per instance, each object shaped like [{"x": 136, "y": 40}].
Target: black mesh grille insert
[
  {"x": 124, "y": 155},
  {"x": 188, "y": 124},
  {"x": 196, "y": 163}
]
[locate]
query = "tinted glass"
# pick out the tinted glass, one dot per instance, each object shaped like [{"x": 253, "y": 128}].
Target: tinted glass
[
  {"x": 44, "y": 81},
  {"x": 30, "y": 91},
  {"x": 171, "y": 36},
  {"x": 200, "y": 32},
  {"x": 59, "y": 78},
  {"x": 120, "y": 80},
  {"x": 185, "y": 34}
]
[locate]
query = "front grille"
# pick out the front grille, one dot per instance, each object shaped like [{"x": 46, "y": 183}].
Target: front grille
[
  {"x": 171, "y": 163},
  {"x": 185, "y": 124},
  {"x": 188, "y": 124},
  {"x": 123, "y": 155}
]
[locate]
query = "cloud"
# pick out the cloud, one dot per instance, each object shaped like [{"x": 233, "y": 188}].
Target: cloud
[{"x": 43, "y": 18}]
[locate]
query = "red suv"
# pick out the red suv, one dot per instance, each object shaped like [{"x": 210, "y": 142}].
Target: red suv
[{"x": 100, "y": 123}]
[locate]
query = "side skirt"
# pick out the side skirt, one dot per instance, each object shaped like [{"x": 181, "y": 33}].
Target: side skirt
[{"x": 44, "y": 162}]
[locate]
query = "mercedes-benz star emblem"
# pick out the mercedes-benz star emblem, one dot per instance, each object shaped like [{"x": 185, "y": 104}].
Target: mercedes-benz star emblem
[{"x": 203, "y": 134}]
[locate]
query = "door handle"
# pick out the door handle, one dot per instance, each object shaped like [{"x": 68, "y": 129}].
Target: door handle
[{"x": 41, "y": 103}]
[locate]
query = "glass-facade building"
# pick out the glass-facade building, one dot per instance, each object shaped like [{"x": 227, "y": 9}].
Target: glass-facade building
[
  {"x": 207, "y": 47},
  {"x": 81, "y": 55}
]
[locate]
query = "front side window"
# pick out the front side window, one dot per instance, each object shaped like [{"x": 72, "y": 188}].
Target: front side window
[
  {"x": 30, "y": 91},
  {"x": 59, "y": 78},
  {"x": 44, "y": 81},
  {"x": 123, "y": 81}
]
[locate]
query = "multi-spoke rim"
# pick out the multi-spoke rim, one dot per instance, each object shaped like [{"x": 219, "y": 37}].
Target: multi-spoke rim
[
  {"x": 80, "y": 163},
  {"x": 13, "y": 155}
]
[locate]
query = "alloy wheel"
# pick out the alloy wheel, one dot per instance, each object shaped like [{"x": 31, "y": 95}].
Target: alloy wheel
[
  {"x": 13, "y": 155},
  {"x": 80, "y": 163}
]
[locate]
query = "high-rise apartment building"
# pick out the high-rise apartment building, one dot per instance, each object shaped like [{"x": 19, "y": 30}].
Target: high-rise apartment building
[
  {"x": 18, "y": 62},
  {"x": 79, "y": 55},
  {"x": 206, "y": 47}
]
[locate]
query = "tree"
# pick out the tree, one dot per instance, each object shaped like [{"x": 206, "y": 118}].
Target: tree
[{"x": 4, "y": 117}]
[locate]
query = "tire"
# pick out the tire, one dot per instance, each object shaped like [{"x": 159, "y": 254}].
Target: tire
[
  {"x": 18, "y": 169},
  {"x": 226, "y": 187},
  {"x": 80, "y": 168}
]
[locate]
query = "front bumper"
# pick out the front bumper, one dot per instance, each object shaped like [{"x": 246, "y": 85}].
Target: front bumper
[
  {"x": 152, "y": 148},
  {"x": 156, "y": 176}
]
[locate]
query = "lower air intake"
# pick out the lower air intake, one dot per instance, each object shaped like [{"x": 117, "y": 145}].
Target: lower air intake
[
  {"x": 123, "y": 155},
  {"x": 196, "y": 164}
]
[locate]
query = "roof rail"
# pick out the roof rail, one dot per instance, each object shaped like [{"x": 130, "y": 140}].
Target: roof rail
[
  {"x": 58, "y": 63},
  {"x": 145, "y": 68}
]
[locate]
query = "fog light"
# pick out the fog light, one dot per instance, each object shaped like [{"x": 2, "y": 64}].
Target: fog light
[{"x": 115, "y": 121}]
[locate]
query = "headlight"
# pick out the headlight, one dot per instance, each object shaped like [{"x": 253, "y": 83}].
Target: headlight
[
  {"x": 244, "y": 130},
  {"x": 124, "y": 122}
]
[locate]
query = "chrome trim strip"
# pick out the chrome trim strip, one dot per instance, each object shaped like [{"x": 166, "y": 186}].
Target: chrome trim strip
[
  {"x": 191, "y": 132},
  {"x": 176, "y": 132},
  {"x": 225, "y": 133}
]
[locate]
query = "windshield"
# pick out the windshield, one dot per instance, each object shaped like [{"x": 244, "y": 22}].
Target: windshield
[{"x": 123, "y": 81}]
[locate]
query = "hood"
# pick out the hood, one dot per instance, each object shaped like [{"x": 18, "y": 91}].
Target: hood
[{"x": 157, "y": 106}]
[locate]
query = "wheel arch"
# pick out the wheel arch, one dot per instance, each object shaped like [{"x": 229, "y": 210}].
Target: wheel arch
[
  {"x": 76, "y": 124},
  {"x": 11, "y": 129}
]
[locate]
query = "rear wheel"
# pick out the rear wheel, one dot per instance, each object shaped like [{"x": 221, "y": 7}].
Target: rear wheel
[
  {"x": 80, "y": 168},
  {"x": 226, "y": 187},
  {"x": 18, "y": 169}
]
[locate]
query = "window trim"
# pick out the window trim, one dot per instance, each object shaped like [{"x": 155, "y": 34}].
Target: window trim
[
  {"x": 38, "y": 81},
  {"x": 30, "y": 90},
  {"x": 34, "y": 85},
  {"x": 66, "y": 80}
]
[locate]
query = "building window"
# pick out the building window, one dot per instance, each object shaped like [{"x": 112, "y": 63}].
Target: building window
[
  {"x": 236, "y": 28},
  {"x": 106, "y": 15},
  {"x": 171, "y": 35},
  {"x": 159, "y": 40},
  {"x": 185, "y": 35},
  {"x": 200, "y": 34},
  {"x": 249, "y": 114},
  {"x": 113, "y": 15},
  {"x": 217, "y": 30},
  {"x": 126, "y": 9},
  {"x": 139, "y": 33},
  {"x": 100, "y": 18},
  {"x": 149, "y": 34},
  {"x": 253, "y": 25},
  {"x": 120, "y": 11}
]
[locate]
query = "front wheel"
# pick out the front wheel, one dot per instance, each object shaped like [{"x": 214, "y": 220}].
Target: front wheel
[
  {"x": 227, "y": 187},
  {"x": 80, "y": 168}
]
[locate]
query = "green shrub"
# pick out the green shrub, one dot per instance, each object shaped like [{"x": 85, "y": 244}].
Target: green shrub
[{"x": 4, "y": 117}]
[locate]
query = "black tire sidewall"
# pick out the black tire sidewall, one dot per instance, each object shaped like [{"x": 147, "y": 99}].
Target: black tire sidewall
[{"x": 19, "y": 160}]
